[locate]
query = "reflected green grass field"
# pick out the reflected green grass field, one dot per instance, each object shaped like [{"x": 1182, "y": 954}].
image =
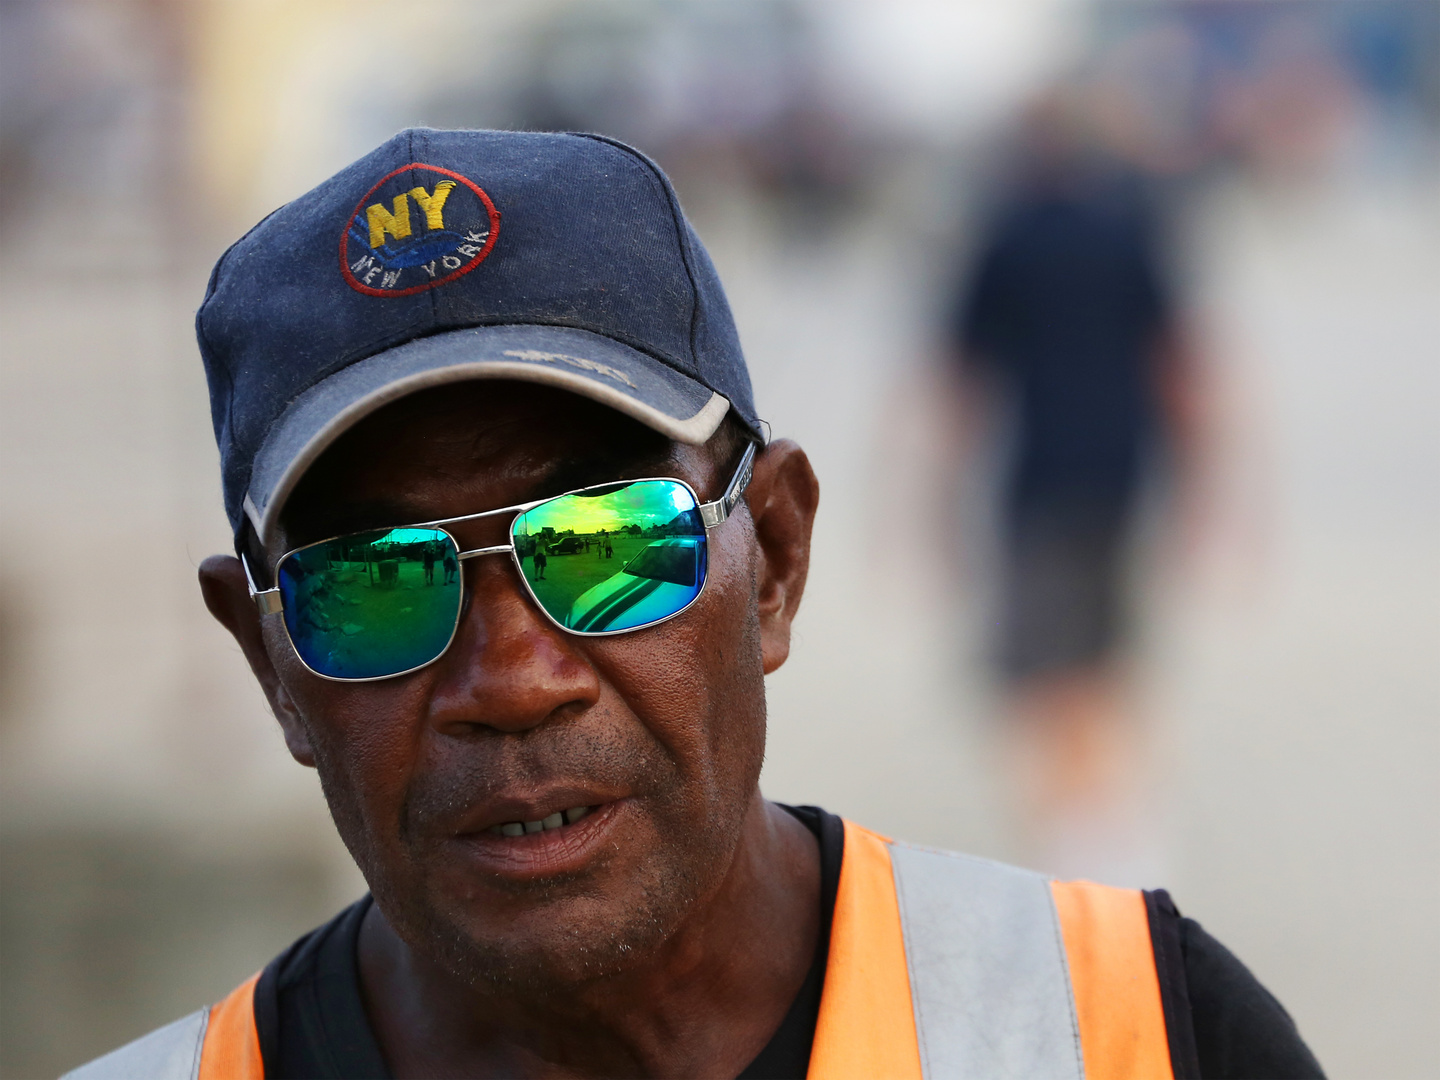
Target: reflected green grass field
[
  {"x": 358, "y": 590},
  {"x": 359, "y": 620}
]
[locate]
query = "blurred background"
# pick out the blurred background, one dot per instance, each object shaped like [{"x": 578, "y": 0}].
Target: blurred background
[{"x": 1228, "y": 687}]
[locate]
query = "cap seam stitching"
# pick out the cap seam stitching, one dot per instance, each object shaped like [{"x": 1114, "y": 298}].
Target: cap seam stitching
[{"x": 676, "y": 218}]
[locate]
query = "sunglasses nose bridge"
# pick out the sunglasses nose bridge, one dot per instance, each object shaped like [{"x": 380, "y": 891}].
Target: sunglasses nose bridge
[
  {"x": 494, "y": 549},
  {"x": 481, "y": 536}
]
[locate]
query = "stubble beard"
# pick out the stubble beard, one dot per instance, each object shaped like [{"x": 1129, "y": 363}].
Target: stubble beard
[{"x": 590, "y": 940}]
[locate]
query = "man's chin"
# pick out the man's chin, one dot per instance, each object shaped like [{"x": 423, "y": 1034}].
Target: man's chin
[
  {"x": 543, "y": 933},
  {"x": 553, "y": 947}
]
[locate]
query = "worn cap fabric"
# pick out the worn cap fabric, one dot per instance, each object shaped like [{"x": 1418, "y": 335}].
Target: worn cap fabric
[{"x": 453, "y": 255}]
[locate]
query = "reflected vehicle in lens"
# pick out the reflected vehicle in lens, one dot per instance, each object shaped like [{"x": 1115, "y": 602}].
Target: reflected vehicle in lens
[
  {"x": 661, "y": 579},
  {"x": 645, "y": 543}
]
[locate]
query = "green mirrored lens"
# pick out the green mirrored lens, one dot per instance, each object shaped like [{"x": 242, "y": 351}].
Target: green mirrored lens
[
  {"x": 613, "y": 558},
  {"x": 372, "y": 604}
]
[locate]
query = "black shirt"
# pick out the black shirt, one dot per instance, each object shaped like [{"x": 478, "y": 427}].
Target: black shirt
[
  {"x": 1221, "y": 1022},
  {"x": 1064, "y": 305}
]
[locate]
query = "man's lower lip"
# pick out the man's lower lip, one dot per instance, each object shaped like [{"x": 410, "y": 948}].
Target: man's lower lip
[{"x": 543, "y": 854}]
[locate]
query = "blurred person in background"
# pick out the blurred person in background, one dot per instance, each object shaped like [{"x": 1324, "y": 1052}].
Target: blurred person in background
[
  {"x": 553, "y": 794},
  {"x": 1066, "y": 327}
]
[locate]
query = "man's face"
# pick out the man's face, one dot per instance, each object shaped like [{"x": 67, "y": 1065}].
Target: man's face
[{"x": 660, "y": 732}]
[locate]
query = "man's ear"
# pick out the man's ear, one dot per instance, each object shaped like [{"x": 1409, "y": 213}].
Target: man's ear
[
  {"x": 782, "y": 497},
  {"x": 222, "y": 583}
]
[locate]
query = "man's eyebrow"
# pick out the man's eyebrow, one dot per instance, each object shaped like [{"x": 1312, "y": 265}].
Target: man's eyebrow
[
  {"x": 355, "y": 517},
  {"x": 568, "y": 474},
  {"x": 565, "y": 474}
]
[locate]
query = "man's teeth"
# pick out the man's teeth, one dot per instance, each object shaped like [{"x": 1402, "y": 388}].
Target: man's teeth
[{"x": 554, "y": 821}]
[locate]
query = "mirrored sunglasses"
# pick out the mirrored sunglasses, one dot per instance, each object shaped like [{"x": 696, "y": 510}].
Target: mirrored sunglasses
[{"x": 607, "y": 559}]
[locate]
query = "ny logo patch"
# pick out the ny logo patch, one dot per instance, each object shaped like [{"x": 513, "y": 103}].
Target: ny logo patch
[{"x": 418, "y": 227}]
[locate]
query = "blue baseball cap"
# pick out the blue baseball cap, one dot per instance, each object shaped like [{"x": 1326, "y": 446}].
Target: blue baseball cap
[{"x": 445, "y": 256}]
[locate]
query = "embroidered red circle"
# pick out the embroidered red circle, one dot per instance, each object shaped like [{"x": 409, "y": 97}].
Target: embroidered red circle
[{"x": 418, "y": 227}]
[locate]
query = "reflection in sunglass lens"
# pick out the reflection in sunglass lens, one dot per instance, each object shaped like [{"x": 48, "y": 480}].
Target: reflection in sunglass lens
[
  {"x": 613, "y": 558},
  {"x": 372, "y": 604}
]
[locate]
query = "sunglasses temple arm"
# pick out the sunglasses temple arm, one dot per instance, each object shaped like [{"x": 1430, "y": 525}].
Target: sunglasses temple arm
[
  {"x": 267, "y": 600},
  {"x": 714, "y": 513}
]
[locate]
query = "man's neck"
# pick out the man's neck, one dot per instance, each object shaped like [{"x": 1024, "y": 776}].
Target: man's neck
[{"x": 705, "y": 1004}]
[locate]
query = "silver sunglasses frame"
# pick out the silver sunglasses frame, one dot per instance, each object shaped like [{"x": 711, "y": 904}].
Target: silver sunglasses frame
[{"x": 712, "y": 514}]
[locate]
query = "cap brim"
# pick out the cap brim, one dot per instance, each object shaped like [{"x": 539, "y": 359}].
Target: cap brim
[{"x": 579, "y": 361}]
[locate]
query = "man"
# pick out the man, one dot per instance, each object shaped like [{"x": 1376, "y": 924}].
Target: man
[
  {"x": 1066, "y": 327},
  {"x": 552, "y": 787}
]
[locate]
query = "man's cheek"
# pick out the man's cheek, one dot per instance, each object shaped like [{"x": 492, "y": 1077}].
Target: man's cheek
[{"x": 364, "y": 768}]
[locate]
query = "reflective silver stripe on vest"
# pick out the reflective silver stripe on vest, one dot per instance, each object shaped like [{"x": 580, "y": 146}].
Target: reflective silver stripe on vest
[
  {"x": 988, "y": 976},
  {"x": 168, "y": 1053}
]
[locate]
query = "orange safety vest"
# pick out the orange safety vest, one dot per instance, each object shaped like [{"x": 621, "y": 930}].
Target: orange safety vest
[
  {"x": 945, "y": 965},
  {"x": 941, "y": 965}
]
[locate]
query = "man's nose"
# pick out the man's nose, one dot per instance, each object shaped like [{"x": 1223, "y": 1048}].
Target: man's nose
[{"x": 509, "y": 668}]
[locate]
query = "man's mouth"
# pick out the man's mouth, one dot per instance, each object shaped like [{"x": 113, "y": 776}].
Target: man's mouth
[
  {"x": 557, "y": 820},
  {"x": 549, "y": 843}
]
